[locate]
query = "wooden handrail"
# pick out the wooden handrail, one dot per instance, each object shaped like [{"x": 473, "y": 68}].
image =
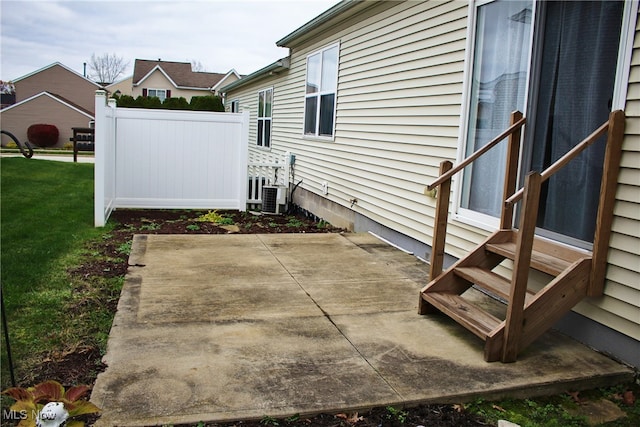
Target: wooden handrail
[
  {"x": 562, "y": 161},
  {"x": 477, "y": 154}
]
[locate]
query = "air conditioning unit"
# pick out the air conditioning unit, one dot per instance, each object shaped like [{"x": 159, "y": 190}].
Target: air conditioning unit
[{"x": 273, "y": 198}]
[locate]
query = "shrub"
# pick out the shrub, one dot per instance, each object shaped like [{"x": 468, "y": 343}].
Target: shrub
[
  {"x": 207, "y": 103},
  {"x": 125, "y": 101},
  {"x": 199, "y": 103},
  {"x": 149, "y": 102},
  {"x": 43, "y": 135},
  {"x": 176, "y": 104}
]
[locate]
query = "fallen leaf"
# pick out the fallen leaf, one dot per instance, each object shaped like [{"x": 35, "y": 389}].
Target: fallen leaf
[
  {"x": 628, "y": 398},
  {"x": 458, "y": 408},
  {"x": 350, "y": 418},
  {"x": 498, "y": 408}
]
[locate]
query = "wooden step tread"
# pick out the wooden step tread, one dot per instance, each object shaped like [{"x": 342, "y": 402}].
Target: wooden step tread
[
  {"x": 489, "y": 281},
  {"x": 462, "y": 311},
  {"x": 549, "y": 263}
]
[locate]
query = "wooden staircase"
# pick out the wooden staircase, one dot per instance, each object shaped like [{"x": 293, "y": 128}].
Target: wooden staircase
[{"x": 574, "y": 273}]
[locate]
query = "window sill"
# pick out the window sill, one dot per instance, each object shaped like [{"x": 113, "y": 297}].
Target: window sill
[
  {"x": 476, "y": 220},
  {"x": 318, "y": 138}
]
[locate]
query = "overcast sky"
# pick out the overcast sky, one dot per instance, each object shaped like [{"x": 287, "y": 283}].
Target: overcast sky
[{"x": 220, "y": 34}]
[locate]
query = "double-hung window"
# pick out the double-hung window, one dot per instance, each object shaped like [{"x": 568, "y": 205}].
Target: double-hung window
[
  {"x": 320, "y": 96},
  {"x": 265, "y": 101},
  {"x": 235, "y": 106},
  {"x": 157, "y": 93}
]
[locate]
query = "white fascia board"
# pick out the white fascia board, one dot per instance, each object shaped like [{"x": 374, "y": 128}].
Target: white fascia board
[
  {"x": 55, "y": 98},
  {"x": 219, "y": 84},
  {"x": 52, "y": 65},
  {"x": 157, "y": 67}
]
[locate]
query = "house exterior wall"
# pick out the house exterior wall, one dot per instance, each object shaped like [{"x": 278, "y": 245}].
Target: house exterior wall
[
  {"x": 621, "y": 304},
  {"x": 157, "y": 80},
  {"x": 125, "y": 86},
  {"x": 61, "y": 81},
  {"x": 46, "y": 110},
  {"x": 227, "y": 80},
  {"x": 399, "y": 103},
  {"x": 397, "y": 117}
]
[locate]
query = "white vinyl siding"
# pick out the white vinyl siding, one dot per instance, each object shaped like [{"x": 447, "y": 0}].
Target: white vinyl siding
[
  {"x": 620, "y": 308},
  {"x": 399, "y": 102}
]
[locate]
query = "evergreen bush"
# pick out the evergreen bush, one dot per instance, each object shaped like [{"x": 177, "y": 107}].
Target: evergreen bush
[
  {"x": 125, "y": 101},
  {"x": 198, "y": 103},
  {"x": 207, "y": 103},
  {"x": 176, "y": 104}
]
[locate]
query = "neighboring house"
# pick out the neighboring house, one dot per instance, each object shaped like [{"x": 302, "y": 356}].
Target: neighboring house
[
  {"x": 164, "y": 79},
  {"x": 7, "y": 94},
  {"x": 53, "y": 95},
  {"x": 375, "y": 94},
  {"x": 121, "y": 87}
]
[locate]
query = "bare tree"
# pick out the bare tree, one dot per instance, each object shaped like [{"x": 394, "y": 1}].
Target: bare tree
[
  {"x": 106, "y": 68},
  {"x": 197, "y": 66}
]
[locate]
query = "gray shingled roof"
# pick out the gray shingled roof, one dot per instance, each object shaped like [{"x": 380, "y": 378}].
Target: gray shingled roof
[{"x": 179, "y": 72}]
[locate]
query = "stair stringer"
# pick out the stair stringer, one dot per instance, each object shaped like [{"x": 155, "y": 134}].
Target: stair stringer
[
  {"x": 556, "y": 299},
  {"x": 478, "y": 257},
  {"x": 548, "y": 306}
]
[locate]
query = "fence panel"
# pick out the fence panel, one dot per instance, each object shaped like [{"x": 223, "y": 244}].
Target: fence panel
[
  {"x": 105, "y": 148},
  {"x": 265, "y": 168},
  {"x": 172, "y": 159}
]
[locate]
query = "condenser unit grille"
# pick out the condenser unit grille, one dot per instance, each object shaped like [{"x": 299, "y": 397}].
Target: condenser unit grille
[{"x": 270, "y": 199}]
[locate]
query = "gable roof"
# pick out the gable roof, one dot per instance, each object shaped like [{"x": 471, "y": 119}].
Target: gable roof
[
  {"x": 57, "y": 98},
  {"x": 178, "y": 73},
  {"x": 60, "y": 65},
  {"x": 223, "y": 80}
]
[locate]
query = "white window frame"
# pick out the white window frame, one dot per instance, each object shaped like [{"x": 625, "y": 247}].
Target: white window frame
[
  {"x": 156, "y": 95},
  {"x": 264, "y": 119},
  {"x": 488, "y": 222},
  {"x": 235, "y": 106},
  {"x": 319, "y": 94}
]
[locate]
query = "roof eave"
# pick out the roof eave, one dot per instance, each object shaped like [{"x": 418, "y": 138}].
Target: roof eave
[
  {"x": 52, "y": 96},
  {"x": 279, "y": 65},
  {"x": 159, "y": 68},
  {"x": 52, "y": 65},
  {"x": 317, "y": 21},
  {"x": 232, "y": 71}
]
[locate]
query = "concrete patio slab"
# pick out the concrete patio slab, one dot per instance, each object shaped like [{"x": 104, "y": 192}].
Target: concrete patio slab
[{"x": 229, "y": 327}]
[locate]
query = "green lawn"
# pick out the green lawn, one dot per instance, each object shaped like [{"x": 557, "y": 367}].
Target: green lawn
[{"x": 46, "y": 218}]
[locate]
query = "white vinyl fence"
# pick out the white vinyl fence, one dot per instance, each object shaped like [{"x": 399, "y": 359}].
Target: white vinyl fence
[{"x": 168, "y": 159}]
